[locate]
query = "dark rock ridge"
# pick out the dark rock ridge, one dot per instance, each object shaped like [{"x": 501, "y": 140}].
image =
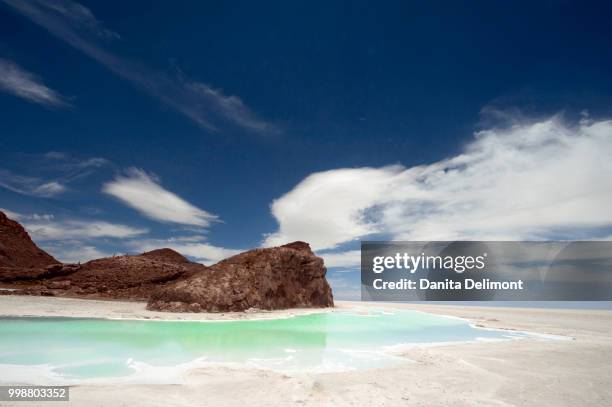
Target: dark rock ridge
[
  {"x": 17, "y": 250},
  {"x": 279, "y": 277},
  {"x": 16, "y": 274},
  {"x": 117, "y": 277},
  {"x": 26, "y": 269},
  {"x": 274, "y": 278}
]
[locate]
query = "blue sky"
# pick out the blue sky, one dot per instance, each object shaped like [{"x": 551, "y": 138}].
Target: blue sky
[{"x": 213, "y": 127}]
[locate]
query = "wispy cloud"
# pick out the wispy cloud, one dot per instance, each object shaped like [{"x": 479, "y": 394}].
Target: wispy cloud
[
  {"x": 23, "y": 84},
  {"x": 31, "y": 186},
  {"x": 12, "y": 215},
  {"x": 202, "y": 100},
  {"x": 533, "y": 180},
  {"x": 79, "y": 15},
  {"x": 144, "y": 193},
  {"x": 43, "y": 230},
  {"x": 75, "y": 252},
  {"x": 75, "y": 239},
  {"x": 46, "y": 175},
  {"x": 207, "y": 106}
]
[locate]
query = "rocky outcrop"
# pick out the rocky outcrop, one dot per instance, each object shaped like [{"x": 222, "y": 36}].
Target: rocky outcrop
[
  {"x": 117, "y": 277},
  {"x": 13, "y": 274},
  {"x": 274, "y": 278},
  {"x": 166, "y": 255},
  {"x": 17, "y": 250}
]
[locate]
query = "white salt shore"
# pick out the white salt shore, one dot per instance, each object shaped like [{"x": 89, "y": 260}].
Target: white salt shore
[
  {"x": 24, "y": 306},
  {"x": 528, "y": 372}
]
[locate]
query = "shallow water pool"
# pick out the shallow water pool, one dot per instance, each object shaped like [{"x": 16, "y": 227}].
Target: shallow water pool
[{"x": 52, "y": 350}]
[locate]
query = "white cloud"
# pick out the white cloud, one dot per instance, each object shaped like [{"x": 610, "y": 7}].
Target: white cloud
[
  {"x": 73, "y": 240},
  {"x": 32, "y": 186},
  {"x": 22, "y": 217},
  {"x": 534, "y": 180},
  {"x": 227, "y": 107},
  {"x": 26, "y": 85},
  {"x": 206, "y": 106},
  {"x": 51, "y": 188},
  {"x": 191, "y": 246},
  {"x": 328, "y": 208},
  {"x": 12, "y": 215},
  {"x": 144, "y": 193},
  {"x": 46, "y": 175},
  {"x": 45, "y": 229},
  {"x": 78, "y": 15},
  {"x": 70, "y": 252},
  {"x": 76, "y": 240},
  {"x": 350, "y": 259}
]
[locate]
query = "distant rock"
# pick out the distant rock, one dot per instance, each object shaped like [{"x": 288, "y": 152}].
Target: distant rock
[
  {"x": 166, "y": 255},
  {"x": 118, "y": 277},
  {"x": 134, "y": 277},
  {"x": 274, "y": 278},
  {"x": 17, "y": 248}
]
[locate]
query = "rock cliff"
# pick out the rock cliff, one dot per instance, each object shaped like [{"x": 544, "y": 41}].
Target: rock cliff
[
  {"x": 17, "y": 248},
  {"x": 274, "y": 278}
]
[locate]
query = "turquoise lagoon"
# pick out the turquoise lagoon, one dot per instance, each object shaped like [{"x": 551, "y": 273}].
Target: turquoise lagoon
[{"x": 73, "y": 350}]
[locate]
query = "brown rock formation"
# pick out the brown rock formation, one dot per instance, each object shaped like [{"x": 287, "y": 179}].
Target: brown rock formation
[
  {"x": 275, "y": 278},
  {"x": 117, "y": 277},
  {"x": 28, "y": 270},
  {"x": 15, "y": 274},
  {"x": 17, "y": 248},
  {"x": 280, "y": 277},
  {"x": 166, "y": 255}
]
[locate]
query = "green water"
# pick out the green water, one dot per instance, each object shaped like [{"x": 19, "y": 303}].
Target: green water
[{"x": 69, "y": 349}]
